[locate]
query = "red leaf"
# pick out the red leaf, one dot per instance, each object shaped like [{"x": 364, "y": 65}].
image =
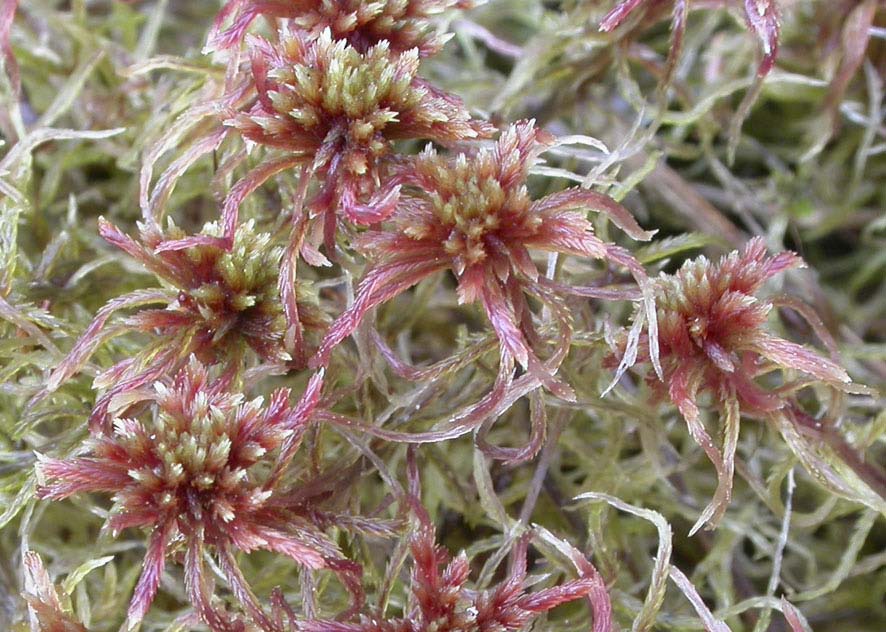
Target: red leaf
[
  {"x": 380, "y": 284},
  {"x": 587, "y": 199},
  {"x": 80, "y": 475},
  {"x": 793, "y": 356},
  {"x": 762, "y": 18},
  {"x": 149, "y": 582},
  {"x": 619, "y": 14},
  {"x": 501, "y": 315},
  {"x": 7, "y": 15}
]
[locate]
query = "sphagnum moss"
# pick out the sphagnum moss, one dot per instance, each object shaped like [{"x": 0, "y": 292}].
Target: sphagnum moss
[
  {"x": 336, "y": 111},
  {"x": 220, "y": 306},
  {"x": 401, "y": 24},
  {"x": 201, "y": 475},
  {"x": 412, "y": 216}
]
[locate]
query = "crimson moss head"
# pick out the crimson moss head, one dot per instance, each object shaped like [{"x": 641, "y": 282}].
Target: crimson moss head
[
  {"x": 335, "y": 112},
  {"x": 189, "y": 462},
  {"x": 404, "y": 24},
  {"x": 199, "y": 469},
  {"x": 472, "y": 214},
  {"x": 714, "y": 338},
  {"x": 443, "y": 602},
  {"x": 217, "y": 304},
  {"x": 712, "y": 324},
  {"x": 340, "y": 107},
  {"x": 229, "y": 297},
  {"x": 478, "y": 206}
]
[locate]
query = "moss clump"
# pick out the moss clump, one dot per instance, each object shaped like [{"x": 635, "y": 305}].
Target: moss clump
[{"x": 414, "y": 315}]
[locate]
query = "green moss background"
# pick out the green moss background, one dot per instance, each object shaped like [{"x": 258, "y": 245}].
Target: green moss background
[{"x": 102, "y": 82}]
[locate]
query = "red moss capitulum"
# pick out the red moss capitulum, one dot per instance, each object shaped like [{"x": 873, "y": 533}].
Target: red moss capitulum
[
  {"x": 335, "y": 111},
  {"x": 231, "y": 296},
  {"x": 218, "y": 305},
  {"x": 472, "y": 214},
  {"x": 712, "y": 329},
  {"x": 713, "y": 338},
  {"x": 200, "y": 469},
  {"x": 404, "y": 24},
  {"x": 444, "y": 603}
]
